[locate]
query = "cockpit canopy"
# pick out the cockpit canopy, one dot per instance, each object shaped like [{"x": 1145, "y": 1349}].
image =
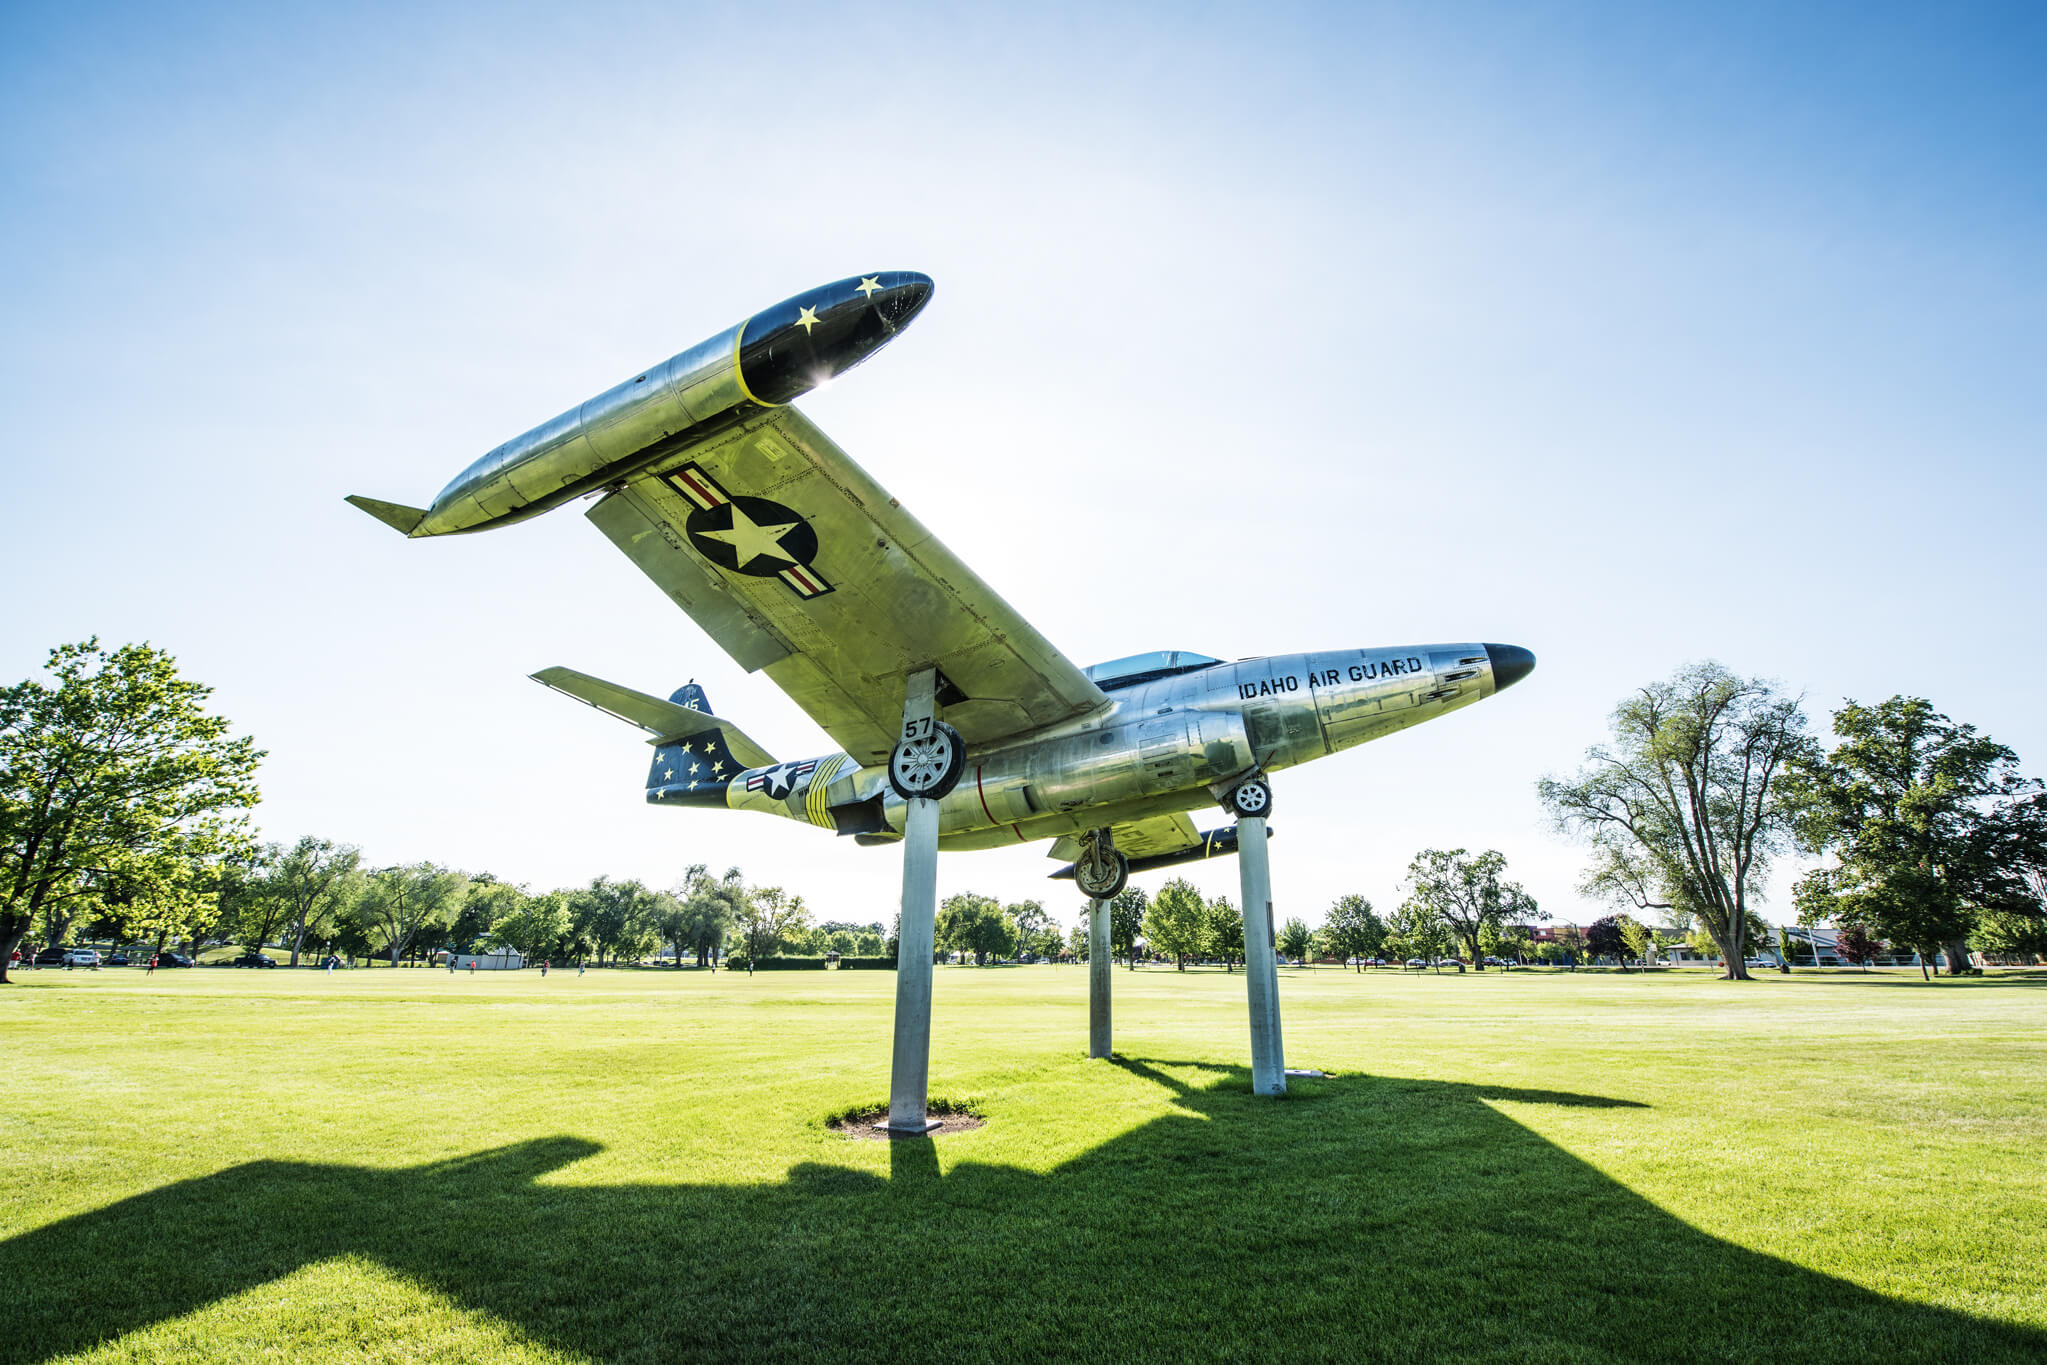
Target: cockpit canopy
[{"x": 1143, "y": 668}]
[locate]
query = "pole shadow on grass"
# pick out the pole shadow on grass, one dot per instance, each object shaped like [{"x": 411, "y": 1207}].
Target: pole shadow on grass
[{"x": 1361, "y": 1218}]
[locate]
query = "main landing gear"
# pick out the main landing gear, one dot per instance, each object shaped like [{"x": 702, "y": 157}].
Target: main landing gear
[
  {"x": 1100, "y": 871},
  {"x": 926, "y": 764}
]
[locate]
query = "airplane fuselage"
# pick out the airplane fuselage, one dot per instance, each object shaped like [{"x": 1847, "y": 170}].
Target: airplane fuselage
[{"x": 1163, "y": 744}]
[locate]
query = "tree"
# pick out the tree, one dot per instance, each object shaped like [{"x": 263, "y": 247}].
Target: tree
[
  {"x": 620, "y": 919},
  {"x": 532, "y": 924},
  {"x": 251, "y": 910},
  {"x": 1225, "y": 932},
  {"x": 1354, "y": 930},
  {"x": 1417, "y": 932},
  {"x": 314, "y": 881},
  {"x": 1126, "y": 922},
  {"x": 115, "y": 785},
  {"x": 1078, "y": 945},
  {"x": 1636, "y": 936},
  {"x": 765, "y": 917},
  {"x": 975, "y": 924},
  {"x": 1468, "y": 895},
  {"x": 1923, "y": 817},
  {"x": 398, "y": 902},
  {"x": 1295, "y": 939},
  {"x": 1036, "y": 932},
  {"x": 1856, "y": 946},
  {"x": 1685, "y": 807},
  {"x": 1176, "y": 923},
  {"x": 702, "y": 910},
  {"x": 1603, "y": 938}
]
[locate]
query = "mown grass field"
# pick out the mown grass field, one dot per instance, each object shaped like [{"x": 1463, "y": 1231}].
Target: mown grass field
[{"x": 408, "y": 1166}]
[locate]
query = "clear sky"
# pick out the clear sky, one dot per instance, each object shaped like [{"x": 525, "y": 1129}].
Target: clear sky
[{"x": 1630, "y": 334}]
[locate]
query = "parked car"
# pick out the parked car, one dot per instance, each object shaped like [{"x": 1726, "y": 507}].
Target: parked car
[
  {"x": 169, "y": 959},
  {"x": 51, "y": 957},
  {"x": 82, "y": 957},
  {"x": 118, "y": 960},
  {"x": 255, "y": 960},
  {"x": 1417, "y": 962}
]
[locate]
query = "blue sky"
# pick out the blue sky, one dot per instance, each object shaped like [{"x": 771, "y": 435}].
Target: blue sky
[{"x": 1630, "y": 335}]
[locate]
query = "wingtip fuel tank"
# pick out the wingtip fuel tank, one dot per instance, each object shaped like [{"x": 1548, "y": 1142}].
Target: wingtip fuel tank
[{"x": 768, "y": 360}]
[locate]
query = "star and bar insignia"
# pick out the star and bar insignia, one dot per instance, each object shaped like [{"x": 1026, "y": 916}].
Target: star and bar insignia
[
  {"x": 781, "y": 779},
  {"x": 748, "y": 535}
]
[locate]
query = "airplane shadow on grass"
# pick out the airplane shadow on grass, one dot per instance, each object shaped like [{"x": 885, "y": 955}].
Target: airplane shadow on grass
[{"x": 1361, "y": 1218}]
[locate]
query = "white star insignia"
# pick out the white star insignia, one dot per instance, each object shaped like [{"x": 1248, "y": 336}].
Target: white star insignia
[
  {"x": 869, "y": 286},
  {"x": 686, "y": 748},
  {"x": 750, "y": 540},
  {"x": 710, "y": 748},
  {"x": 807, "y": 319},
  {"x": 692, "y": 786},
  {"x": 668, "y": 774},
  {"x": 717, "y": 767},
  {"x": 694, "y": 767}
]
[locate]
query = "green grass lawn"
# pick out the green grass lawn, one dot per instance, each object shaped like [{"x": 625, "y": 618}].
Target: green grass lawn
[{"x": 408, "y": 1166}]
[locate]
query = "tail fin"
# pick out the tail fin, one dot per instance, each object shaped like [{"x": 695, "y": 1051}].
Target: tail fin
[
  {"x": 395, "y": 515},
  {"x": 668, "y": 720}
]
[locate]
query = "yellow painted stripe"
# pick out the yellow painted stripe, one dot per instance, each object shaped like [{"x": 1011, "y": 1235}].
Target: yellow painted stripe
[
  {"x": 815, "y": 800},
  {"x": 739, "y": 375}
]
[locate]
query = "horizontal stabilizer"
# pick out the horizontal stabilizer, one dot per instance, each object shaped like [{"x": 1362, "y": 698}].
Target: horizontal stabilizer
[
  {"x": 662, "y": 719},
  {"x": 395, "y": 515}
]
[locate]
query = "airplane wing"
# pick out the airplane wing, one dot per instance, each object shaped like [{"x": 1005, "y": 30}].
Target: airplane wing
[
  {"x": 801, "y": 566},
  {"x": 1156, "y": 837}
]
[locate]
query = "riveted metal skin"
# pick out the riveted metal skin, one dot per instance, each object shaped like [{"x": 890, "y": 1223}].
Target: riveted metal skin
[{"x": 746, "y": 370}]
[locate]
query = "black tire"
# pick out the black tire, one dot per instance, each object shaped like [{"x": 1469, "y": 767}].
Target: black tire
[
  {"x": 1115, "y": 884},
  {"x": 929, "y": 767},
  {"x": 1251, "y": 799}
]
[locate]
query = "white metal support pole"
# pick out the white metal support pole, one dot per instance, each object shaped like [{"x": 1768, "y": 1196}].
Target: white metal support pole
[
  {"x": 910, "y": 1073},
  {"x": 1261, "y": 974},
  {"x": 1098, "y": 978}
]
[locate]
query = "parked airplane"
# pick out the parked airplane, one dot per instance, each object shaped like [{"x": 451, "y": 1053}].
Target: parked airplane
[{"x": 799, "y": 565}]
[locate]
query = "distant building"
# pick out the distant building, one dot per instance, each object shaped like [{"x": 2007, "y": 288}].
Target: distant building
[{"x": 495, "y": 960}]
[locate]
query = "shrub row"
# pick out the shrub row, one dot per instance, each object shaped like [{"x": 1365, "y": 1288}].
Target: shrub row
[{"x": 878, "y": 964}]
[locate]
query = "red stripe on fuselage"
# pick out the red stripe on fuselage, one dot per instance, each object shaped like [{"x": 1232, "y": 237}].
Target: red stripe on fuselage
[{"x": 711, "y": 496}]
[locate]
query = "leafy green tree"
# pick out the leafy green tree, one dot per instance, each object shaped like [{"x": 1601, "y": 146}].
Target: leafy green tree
[
  {"x": 535, "y": 925},
  {"x": 1354, "y": 929},
  {"x": 1295, "y": 939},
  {"x": 397, "y": 903},
  {"x": 1077, "y": 945},
  {"x": 1921, "y": 814},
  {"x": 314, "y": 879},
  {"x": 766, "y": 917},
  {"x": 1635, "y": 935},
  {"x": 2007, "y": 934},
  {"x": 1468, "y": 895},
  {"x": 1176, "y": 922},
  {"x": 1686, "y": 806},
  {"x": 1418, "y": 932},
  {"x": 1126, "y": 922},
  {"x": 1225, "y": 936},
  {"x": 1036, "y": 931},
  {"x": 251, "y": 910},
  {"x": 116, "y": 786},
  {"x": 971, "y": 923},
  {"x": 702, "y": 911},
  {"x": 622, "y": 919}
]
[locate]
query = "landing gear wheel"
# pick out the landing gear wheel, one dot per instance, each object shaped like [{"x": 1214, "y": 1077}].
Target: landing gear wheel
[
  {"x": 1100, "y": 871},
  {"x": 928, "y": 766},
  {"x": 1251, "y": 799}
]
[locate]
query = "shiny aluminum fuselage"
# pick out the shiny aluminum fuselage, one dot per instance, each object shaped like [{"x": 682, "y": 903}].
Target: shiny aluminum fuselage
[{"x": 1174, "y": 744}]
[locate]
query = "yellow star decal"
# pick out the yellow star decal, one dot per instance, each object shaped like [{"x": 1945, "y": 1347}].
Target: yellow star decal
[
  {"x": 869, "y": 285},
  {"x": 710, "y": 748},
  {"x": 668, "y": 774},
  {"x": 752, "y": 540},
  {"x": 807, "y": 319},
  {"x": 717, "y": 767},
  {"x": 687, "y": 748}
]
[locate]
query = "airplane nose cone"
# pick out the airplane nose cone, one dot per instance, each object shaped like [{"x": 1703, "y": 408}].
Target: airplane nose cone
[
  {"x": 905, "y": 295},
  {"x": 1511, "y": 664}
]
